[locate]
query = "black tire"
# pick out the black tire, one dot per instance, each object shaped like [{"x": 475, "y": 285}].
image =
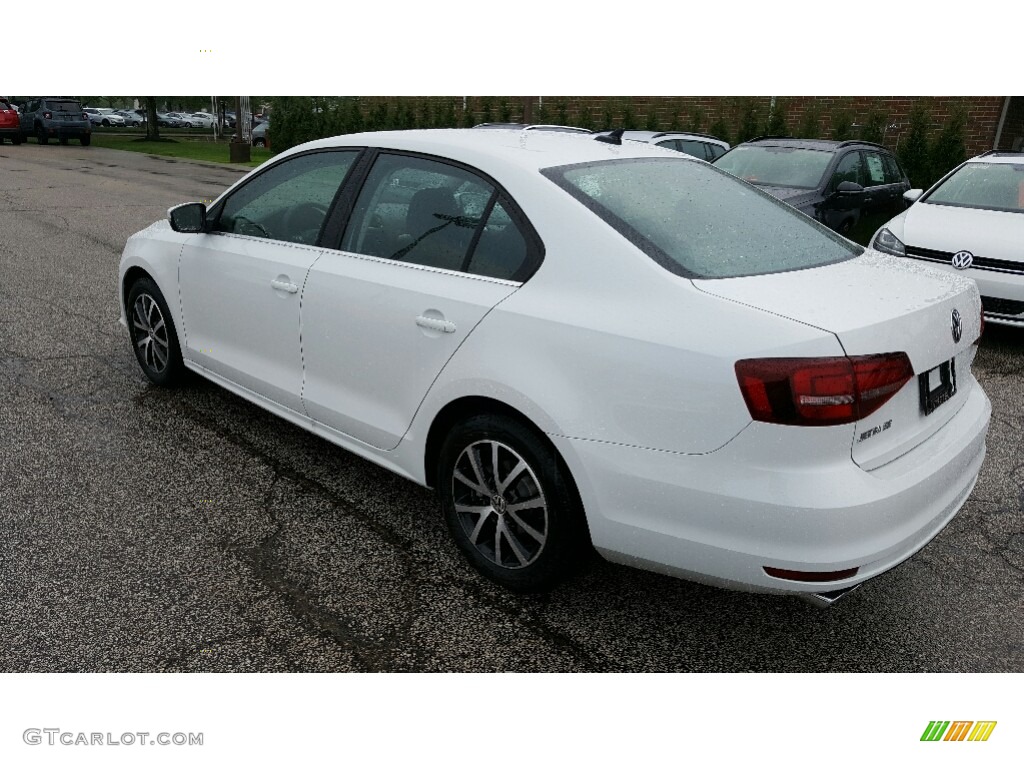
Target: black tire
[
  {"x": 2, "y": 139},
  {"x": 64, "y": 140},
  {"x": 152, "y": 333},
  {"x": 41, "y": 136},
  {"x": 16, "y": 139},
  {"x": 86, "y": 141},
  {"x": 545, "y": 539}
]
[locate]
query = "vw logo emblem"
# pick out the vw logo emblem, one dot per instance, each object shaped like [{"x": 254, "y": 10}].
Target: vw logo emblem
[
  {"x": 958, "y": 326},
  {"x": 962, "y": 259}
]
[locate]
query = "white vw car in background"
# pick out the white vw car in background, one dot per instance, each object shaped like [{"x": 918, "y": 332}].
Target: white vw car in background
[
  {"x": 582, "y": 342},
  {"x": 971, "y": 221}
]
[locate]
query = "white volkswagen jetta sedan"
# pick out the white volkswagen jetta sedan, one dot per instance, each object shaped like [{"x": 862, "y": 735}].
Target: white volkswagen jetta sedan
[
  {"x": 971, "y": 220},
  {"x": 578, "y": 342}
]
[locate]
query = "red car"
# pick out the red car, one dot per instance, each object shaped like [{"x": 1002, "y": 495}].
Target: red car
[{"x": 9, "y": 126}]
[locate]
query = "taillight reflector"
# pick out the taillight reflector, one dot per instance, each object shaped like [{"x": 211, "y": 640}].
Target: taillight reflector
[
  {"x": 813, "y": 576},
  {"x": 820, "y": 391}
]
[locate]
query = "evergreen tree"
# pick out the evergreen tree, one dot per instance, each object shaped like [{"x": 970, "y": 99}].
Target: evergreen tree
[
  {"x": 913, "y": 151},
  {"x": 697, "y": 120},
  {"x": 586, "y": 118},
  {"x": 949, "y": 149},
  {"x": 776, "y": 125},
  {"x": 720, "y": 130},
  {"x": 651, "y": 119},
  {"x": 562, "y": 112},
  {"x": 810, "y": 125},
  {"x": 842, "y": 125},
  {"x": 873, "y": 128},
  {"x": 748, "y": 120}
]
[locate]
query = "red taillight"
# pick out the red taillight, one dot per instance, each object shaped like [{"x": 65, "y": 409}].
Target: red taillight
[
  {"x": 820, "y": 391},
  {"x": 48, "y": 115},
  {"x": 85, "y": 116}
]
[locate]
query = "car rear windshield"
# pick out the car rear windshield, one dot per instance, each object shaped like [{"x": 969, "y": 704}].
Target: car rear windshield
[
  {"x": 995, "y": 186},
  {"x": 777, "y": 166},
  {"x": 697, "y": 221},
  {"x": 64, "y": 106}
]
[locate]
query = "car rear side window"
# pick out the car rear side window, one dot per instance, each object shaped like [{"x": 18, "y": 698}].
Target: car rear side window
[
  {"x": 698, "y": 221},
  {"x": 694, "y": 148}
]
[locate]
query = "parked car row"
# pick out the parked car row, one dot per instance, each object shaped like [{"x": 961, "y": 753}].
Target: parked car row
[{"x": 581, "y": 341}]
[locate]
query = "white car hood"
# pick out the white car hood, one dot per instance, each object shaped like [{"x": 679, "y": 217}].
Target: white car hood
[{"x": 986, "y": 234}]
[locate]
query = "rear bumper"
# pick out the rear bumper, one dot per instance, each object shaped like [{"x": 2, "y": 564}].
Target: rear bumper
[
  {"x": 63, "y": 129},
  {"x": 720, "y": 518}
]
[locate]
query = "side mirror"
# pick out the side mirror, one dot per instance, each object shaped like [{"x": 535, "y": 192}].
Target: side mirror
[
  {"x": 188, "y": 217},
  {"x": 911, "y": 195},
  {"x": 848, "y": 188}
]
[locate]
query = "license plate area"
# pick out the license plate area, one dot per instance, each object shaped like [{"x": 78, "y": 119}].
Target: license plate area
[{"x": 937, "y": 385}]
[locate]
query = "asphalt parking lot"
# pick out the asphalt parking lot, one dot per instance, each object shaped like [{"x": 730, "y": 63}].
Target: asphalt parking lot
[{"x": 149, "y": 530}]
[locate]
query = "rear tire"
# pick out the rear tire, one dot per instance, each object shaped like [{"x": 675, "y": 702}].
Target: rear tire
[
  {"x": 16, "y": 139},
  {"x": 64, "y": 140},
  {"x": 510, "y": 503},
  {"x": 41, "y": 136},
  {"x": 153, "y": 337},
  {"x": 86, "y": 141}
]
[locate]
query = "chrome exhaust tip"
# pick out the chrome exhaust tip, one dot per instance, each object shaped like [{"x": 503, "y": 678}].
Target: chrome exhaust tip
[{"x": 826, "y": 599}]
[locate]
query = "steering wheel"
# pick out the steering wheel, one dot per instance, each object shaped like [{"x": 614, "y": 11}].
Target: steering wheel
[
  {"x": 303, "y": 221},
  {"x": 241, "y": 224}
]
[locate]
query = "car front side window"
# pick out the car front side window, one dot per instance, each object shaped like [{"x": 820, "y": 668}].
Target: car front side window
[
  {"x": 848, "y": 169},
  {"x": 290, "y": 200}
]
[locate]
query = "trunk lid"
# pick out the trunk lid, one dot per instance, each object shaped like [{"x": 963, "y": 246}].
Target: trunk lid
[{"x": 876, "y": 304}]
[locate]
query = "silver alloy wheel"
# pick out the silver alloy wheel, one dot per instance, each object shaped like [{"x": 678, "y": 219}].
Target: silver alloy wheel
[
  {"x": 151, "y": 333},
  {"x": 500, "y": 504}
]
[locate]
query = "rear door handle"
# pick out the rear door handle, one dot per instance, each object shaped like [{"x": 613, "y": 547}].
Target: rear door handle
[
  {"x": 283, "y": 285},
  {"x": 434, "y": 324}
]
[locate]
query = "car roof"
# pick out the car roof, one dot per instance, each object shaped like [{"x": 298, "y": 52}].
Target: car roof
[
  {"x": 999, "y": 156},
  {"x": 828, "y": 145},
  {"x": 649, "y": 135},
  {"x": 498, "y": 151}
]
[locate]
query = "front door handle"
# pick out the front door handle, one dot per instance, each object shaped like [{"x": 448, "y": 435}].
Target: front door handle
[
  {"x": 284, "y": 285},
  {"x": 435, "y": 324}
]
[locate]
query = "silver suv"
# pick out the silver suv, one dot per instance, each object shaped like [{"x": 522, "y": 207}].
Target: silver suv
[{"x": 701, "y": 145}]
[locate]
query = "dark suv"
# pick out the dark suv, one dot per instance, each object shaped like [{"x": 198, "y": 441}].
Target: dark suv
[
  {"x": 842, "y": 184},
  {"x": 55, "y": 118}
]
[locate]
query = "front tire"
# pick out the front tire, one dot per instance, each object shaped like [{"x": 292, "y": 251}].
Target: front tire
[
  {"x": 510, "y": 504},
  {"x": 86, "y": 141},
  {"x": 41, "y": 136},
  {"x": 154, "y": 339}
]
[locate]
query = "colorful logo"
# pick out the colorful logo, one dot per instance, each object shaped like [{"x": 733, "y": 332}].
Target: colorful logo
[{"x": 958, "y": 730}]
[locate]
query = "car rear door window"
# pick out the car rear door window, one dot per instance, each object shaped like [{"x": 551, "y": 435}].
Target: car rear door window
[
  {"x": 288, "y": 201},
  {"x": 874, "y": 169},
  {"x": 418, "y": 211}
]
